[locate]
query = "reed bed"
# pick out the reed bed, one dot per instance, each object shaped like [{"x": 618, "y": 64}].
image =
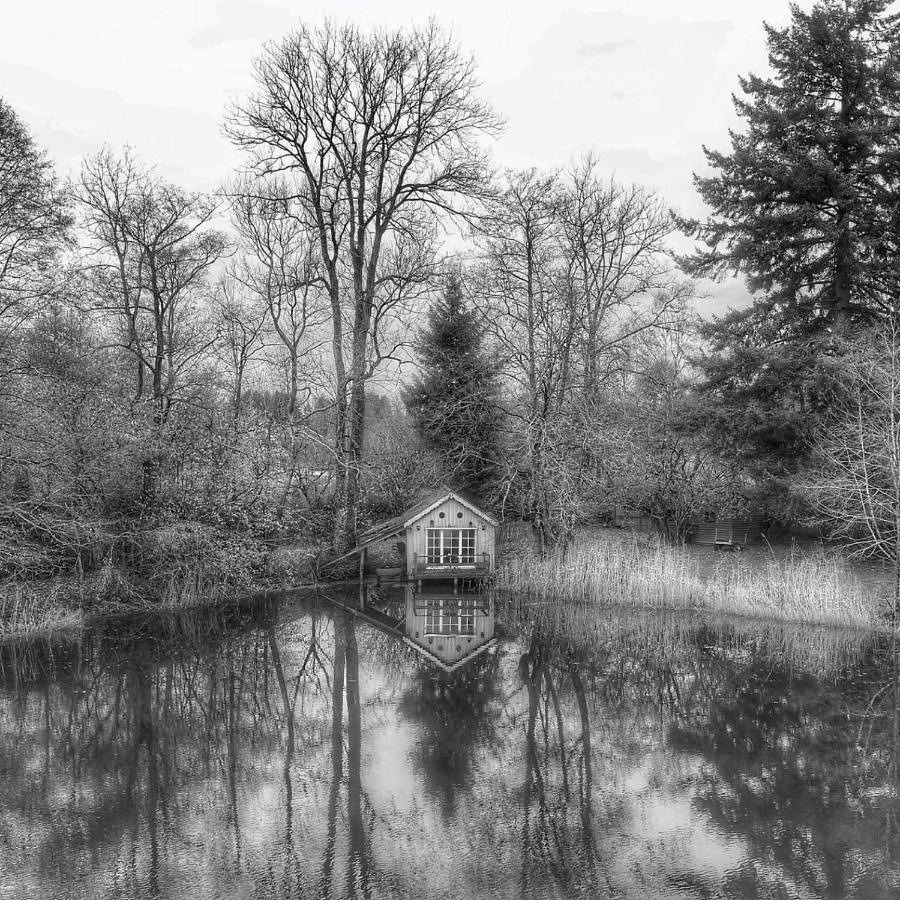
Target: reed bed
[
  {"x": 26, "y": 609},
  {"x": 816, "y": 588}
]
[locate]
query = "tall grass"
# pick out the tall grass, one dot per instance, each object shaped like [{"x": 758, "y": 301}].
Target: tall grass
[
  {"x": 814, "y": 588},
  {"x": 28, "y": 609}
]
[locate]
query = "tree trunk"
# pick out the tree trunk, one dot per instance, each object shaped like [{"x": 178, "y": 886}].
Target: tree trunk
[
  {"x": 340, "y": 425},
  {"x": 355, "y": 423}
]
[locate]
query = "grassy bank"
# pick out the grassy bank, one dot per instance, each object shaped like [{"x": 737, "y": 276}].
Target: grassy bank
[
  {"x": 816, "y": 588},
  {"x": 160, "y": 569}
]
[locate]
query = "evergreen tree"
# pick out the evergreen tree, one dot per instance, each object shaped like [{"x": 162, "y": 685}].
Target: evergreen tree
[
  {"x": 806, "y": 207},
  {"x": 33, "y": 221},
  {"x": 454, "y": 401}
]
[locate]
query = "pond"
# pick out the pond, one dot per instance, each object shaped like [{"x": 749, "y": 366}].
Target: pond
[{"x": 292, "y": 750}]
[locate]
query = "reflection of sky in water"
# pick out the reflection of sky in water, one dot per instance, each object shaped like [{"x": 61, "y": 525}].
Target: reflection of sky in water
[
  {"x": 666, "y": 827},
  {"x": 136, "y": 771}
]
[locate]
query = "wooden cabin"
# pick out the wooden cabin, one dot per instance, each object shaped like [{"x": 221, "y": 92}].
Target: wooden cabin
[{"x": 445, "y": 536}]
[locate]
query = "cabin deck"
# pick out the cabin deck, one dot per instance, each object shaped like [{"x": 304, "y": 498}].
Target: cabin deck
[{"x": 426, "y": 568}]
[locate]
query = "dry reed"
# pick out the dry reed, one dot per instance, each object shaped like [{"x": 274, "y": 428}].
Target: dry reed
[
  {"x": 25, "y": 609},
  {"x": 815, "y": 588}
]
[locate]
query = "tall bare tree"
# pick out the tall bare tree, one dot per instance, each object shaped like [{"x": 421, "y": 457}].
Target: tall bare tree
[
  {"x": 239, "y": 325},
  {"x": 618, "y": 267},
  {"x": 376, "y": 133},
  {"x": 156, "y": 243},
  {"x": 279, "y": 269},
  {"x": 153, "y": 246},
  {"x": 577, "y": 273},
  {"x": 534, "y": 324}
]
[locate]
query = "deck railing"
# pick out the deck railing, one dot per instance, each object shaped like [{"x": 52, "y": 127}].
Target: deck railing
[{"x": 450, "y": 567}]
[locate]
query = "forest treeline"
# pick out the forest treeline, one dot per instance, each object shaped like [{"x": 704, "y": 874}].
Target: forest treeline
[{"x": 299, "y": 354}]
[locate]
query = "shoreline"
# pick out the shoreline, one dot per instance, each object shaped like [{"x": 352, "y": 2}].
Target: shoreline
[
  {"x": 600, "y": 571},
  {"x": 519, "y": 613}
]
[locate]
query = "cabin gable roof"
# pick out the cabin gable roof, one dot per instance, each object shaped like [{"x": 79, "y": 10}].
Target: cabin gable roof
[
  {"x": 422, "y": 509},
  {"x": 398, "y": 524}
]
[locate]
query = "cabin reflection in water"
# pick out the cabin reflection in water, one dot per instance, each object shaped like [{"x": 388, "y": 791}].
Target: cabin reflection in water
[{"x": 446, "y": 627}]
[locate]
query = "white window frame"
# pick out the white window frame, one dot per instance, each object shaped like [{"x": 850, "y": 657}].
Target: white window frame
[
  {"x": 450, "y": 546},
  {"x": 456, "y": 616}
]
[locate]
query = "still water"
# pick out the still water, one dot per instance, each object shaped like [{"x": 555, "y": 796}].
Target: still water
[{"x": 295, "y": 751}]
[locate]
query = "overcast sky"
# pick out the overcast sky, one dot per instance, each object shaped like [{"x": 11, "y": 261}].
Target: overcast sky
[{"x": 643, "y": 83}]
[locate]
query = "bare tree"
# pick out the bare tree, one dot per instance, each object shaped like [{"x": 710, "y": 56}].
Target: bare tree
[
  {"x": 152, "y": 245},
  {"x": 279, "y": 269},
  {"x": 156, "y": 241},
  {"x": 854, "y": 483},
  {"x": 239, "y": 325},
  {"x": 618, "y": 268},
  {"x": 534, "y": 327},
  {"x": 577, "y": 275},
  {"x": 376, "y": 133}
]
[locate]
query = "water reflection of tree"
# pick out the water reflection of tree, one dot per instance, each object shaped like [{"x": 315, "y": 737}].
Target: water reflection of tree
[
  {"x": 359, "y": 875},
  {"x": 806, "y": 770},
  {"x": 455, "y": 717},
  {"x": 794, "y": 777},
  {"x": 558, "y": 828},
  {"x": 240, "y": 752},
  {"x": 114, "y": 742}
]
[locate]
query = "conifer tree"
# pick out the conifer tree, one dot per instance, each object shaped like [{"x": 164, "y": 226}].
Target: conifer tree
[
  {"x": 805, "y": 205},
  {"x": 454, "y": 401}
]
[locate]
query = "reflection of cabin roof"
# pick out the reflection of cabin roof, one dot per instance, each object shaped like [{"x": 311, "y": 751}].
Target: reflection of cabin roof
[
  {"x": 449, "y": 667},
  {"x": 398, "y": 524}
]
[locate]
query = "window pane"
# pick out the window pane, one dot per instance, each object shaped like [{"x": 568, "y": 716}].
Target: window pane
[
  {"x": 434, "y": 546},
  {"x": 467, "y": 546},
  {"x": 451, "y": 546},
  {"x": 450, "y": 616}
]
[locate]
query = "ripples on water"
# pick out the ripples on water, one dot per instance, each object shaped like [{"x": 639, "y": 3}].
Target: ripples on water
[{"x": 293, "y": 751}]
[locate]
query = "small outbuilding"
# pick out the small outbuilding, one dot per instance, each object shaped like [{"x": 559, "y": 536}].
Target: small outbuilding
[
  {"x": 727, "y": 533},
  {"x": 443, "y": 536}
]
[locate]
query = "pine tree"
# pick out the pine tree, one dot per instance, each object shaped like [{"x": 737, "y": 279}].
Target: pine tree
[
  {"x": 806, "y": 207},
  {"x": 454, "y": 401}
]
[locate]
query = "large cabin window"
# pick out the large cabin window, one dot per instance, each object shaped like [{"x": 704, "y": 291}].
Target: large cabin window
[
  {"x": 445, "y": 616},
  {"x": 451, "y": 546}
]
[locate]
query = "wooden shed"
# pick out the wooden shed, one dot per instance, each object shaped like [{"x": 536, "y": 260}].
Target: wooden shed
[
  {"x": 444, "y": 536},
  {"x": 730, "y": 533}
]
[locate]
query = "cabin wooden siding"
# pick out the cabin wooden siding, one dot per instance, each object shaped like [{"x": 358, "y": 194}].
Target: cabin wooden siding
[
  {"x": 448, "y": 648},
  {"x": 417, "y": 531}
]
